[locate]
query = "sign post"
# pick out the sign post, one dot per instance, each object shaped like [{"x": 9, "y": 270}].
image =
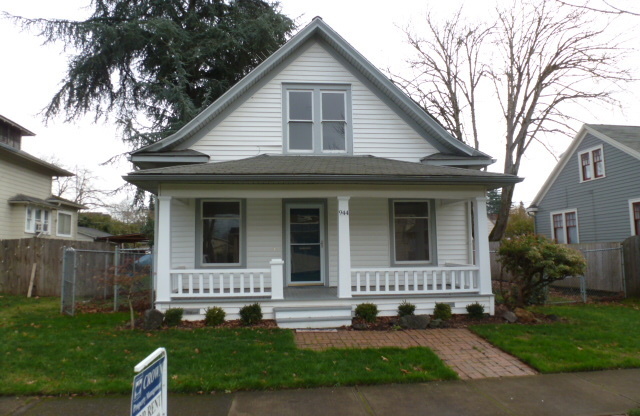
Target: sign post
[{"x": 149, "y": 395}]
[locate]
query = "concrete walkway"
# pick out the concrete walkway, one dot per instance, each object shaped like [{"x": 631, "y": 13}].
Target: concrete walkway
[
  {"x": 466, "y": 353},
  {"x": 575, "y": 394}
]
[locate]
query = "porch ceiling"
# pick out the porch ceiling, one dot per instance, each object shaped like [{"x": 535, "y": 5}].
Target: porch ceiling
[{"x": 318, "y": 169}]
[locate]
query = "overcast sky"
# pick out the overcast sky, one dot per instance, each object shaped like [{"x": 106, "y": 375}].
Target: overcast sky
[{"x": 30, "y": 75}]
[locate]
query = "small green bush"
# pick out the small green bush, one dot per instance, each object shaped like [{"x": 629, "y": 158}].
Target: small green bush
[
  {"x": 251, "y": 314},
  {"x": 406, "y": 308},
  {"x": 475, "y": 311},
  {"x": 367, "y": 311},
  {"x": 442, "y": 311},
  {"x": 214, "y": 316},
  {"x": 173, "y": 316}
]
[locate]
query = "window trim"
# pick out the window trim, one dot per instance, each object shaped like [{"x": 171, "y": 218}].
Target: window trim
[
  {"x": 564, "y": 224},
  {"x": 243, "y": 235},
  {"x": 70, "y": 214},
  {"x": 317, "y": 90},
  {"x": 589, "y": 153},
  {"x": 32, "y": 229},
  {"x": 433, "y": 252},
  {"x": 632, "y": 202}
]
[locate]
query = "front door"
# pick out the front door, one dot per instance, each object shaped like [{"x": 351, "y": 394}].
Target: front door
[{"x": 305, "y": 244}]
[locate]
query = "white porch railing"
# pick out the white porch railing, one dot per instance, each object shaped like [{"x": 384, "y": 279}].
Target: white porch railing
[
  {"x": 219, "y": 283},
  {"x": 415, "y": 281}
]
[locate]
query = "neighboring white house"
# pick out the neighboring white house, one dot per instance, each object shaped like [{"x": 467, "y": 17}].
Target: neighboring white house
[
  {"x": 313, "y": 185},
  {"x": 27, "y": 207}
]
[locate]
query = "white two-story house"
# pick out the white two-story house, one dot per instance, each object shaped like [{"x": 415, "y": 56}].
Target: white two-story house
[{"x": 313, "y": 185}]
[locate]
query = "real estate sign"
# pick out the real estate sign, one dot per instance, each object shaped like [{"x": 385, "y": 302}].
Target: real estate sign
[{"x": 149, "y": 395}]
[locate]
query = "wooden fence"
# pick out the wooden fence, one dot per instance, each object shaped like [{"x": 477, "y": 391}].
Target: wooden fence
[
  {"x": 17, "y": 258},
  {"x": 604, "y": 266},
  {"x": 631, "y": 247}
]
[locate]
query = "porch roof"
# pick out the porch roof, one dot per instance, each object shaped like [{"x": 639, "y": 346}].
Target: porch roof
[{"x": 317, "y": 169}]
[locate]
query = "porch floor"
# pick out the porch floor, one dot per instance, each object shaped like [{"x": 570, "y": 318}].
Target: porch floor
[{"x": 310, "y": 293}]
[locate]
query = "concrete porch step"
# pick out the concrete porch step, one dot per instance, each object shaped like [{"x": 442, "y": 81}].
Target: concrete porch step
[{"x": 313, "y": 316}]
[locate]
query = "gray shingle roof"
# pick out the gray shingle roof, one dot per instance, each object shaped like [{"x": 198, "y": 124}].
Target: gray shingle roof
[
  {"x": 26, "y": 157},
  {"x": 326, "y": 167},
  {"x": 51, "y": 202},
  {"x": 626, "y": 135},
  {"x": 92, "y": 232}
]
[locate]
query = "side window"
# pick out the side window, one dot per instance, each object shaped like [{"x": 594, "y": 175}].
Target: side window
[
  {"x": 221, "y": 232},
  {"x": 64, "y": 224},
  {"x": 565, "y": 227},
  {"x": 634, "y": 206},
  {"x": 317, "y": 119},
  {"x": 37, "y": 220},
  {"x": 591, "y": 164}
]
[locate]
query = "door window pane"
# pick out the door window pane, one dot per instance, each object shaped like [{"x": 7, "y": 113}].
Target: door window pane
[
  {"x": 305, "y": 263},
  {"x": 221, "y": 232}
]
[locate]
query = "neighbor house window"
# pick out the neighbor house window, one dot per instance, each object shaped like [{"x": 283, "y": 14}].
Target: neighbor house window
[
  {"x": 37, "y": 220},
  {"x": 221, "y": 232},
  {"x": 317, "y": 119},
  {"x": 64, "y": 224},
  {"x": 591, "y": 164},
  {"x": 411, "y": 231},
  {"x": 565, "y": 227},
  {"x": 634, "y": 206}
]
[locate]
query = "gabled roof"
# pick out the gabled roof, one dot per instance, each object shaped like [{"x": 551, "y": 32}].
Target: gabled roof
[
  {"x": 317, "y": 169},
  {"x": 23, "y": 131},
  {"x": 53, "y": 170},
  {"x": 625, "y": 138},
  {"x": 92, "y": 232},
  {"x": 320, "y": 30}
]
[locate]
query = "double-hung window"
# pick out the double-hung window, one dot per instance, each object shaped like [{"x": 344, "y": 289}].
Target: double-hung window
[
  {"x": 64, "y": 224},
  {"x": 222, "y": 232},
  {"x": 317, "y": 119},
  {"x": 634, "y": 207},
  {"x": 591, "y": 164},
  {"x": 411, "y": 221},
  {"x": 565, "y": 227},
  {"x": 37, "y": 220}
]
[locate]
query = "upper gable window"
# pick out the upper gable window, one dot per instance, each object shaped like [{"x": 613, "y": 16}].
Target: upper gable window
[
  {"x": 317, "y": 119},
  {"x": 591, "y": 164}
]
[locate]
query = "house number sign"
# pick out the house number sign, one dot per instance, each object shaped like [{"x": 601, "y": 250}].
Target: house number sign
[{"x": 343, "y": 212}]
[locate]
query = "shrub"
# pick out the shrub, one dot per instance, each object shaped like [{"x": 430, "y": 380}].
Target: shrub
[
  {"x": 214, "y": 316},
  {"x": 475, "y": 310},
  {"x": 173, "y": 316},
  {"x": 251, "y": 314},
  {"x": 535, "y": 262},
  {"x": 367, "y": 311},
  {"x": 442, "y": 311},
  {"x": 406, "y": 308}
]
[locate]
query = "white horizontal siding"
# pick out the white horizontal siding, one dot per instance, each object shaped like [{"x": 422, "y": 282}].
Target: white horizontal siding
[
  {"x": 369, "y": 232},
  {"x": 453, "y": 233},
  {"x": 264, "y": 232},
  {"x": 183, "y": 240},
  {"x": 256, "y": 125}
]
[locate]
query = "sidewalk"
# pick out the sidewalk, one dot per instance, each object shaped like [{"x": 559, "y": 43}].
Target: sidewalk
[{"x": 570, "y": 394}]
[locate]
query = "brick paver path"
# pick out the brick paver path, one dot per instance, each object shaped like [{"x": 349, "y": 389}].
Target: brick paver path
[{"x": 466, "y": 353}]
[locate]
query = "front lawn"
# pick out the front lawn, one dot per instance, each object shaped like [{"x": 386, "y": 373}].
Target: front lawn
[
  {"x": 43, "y": 352},
  {"x": 594, "y": 337}
]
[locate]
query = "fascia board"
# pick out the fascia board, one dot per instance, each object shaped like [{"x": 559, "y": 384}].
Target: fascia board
[{"x": 560, "y": 166}]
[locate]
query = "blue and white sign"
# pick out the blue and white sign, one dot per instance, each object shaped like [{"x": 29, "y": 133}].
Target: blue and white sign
[{"x": 149, "y": 396}]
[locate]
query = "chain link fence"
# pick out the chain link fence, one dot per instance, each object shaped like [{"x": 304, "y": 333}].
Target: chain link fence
[{"x": 99, "y": 280}]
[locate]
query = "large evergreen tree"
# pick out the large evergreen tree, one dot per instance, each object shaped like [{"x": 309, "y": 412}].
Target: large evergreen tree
[{"x": 155, "y": 64}]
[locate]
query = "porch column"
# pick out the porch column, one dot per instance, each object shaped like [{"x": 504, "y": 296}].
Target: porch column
[
  {"x": 481, "y": 244},
  {"x": 163, "y": 250},
  {"x": 344, "y": 248}
]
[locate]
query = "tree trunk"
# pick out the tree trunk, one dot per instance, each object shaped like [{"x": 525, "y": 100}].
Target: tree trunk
[{"x": 503, "y": 215}]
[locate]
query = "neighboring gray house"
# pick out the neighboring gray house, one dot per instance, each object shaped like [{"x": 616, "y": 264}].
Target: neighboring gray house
[{"x": 593, "y": 194}]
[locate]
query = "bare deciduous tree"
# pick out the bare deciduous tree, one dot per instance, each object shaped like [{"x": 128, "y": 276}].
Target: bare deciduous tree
[
  {"x": 81, "y": 188},
  {"x": 538, "y": 57}
]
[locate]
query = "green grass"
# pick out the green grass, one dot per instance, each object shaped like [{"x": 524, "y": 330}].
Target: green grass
[
  {"x": 594, "y": 337},
  {"x": 43, "y": 352}
]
